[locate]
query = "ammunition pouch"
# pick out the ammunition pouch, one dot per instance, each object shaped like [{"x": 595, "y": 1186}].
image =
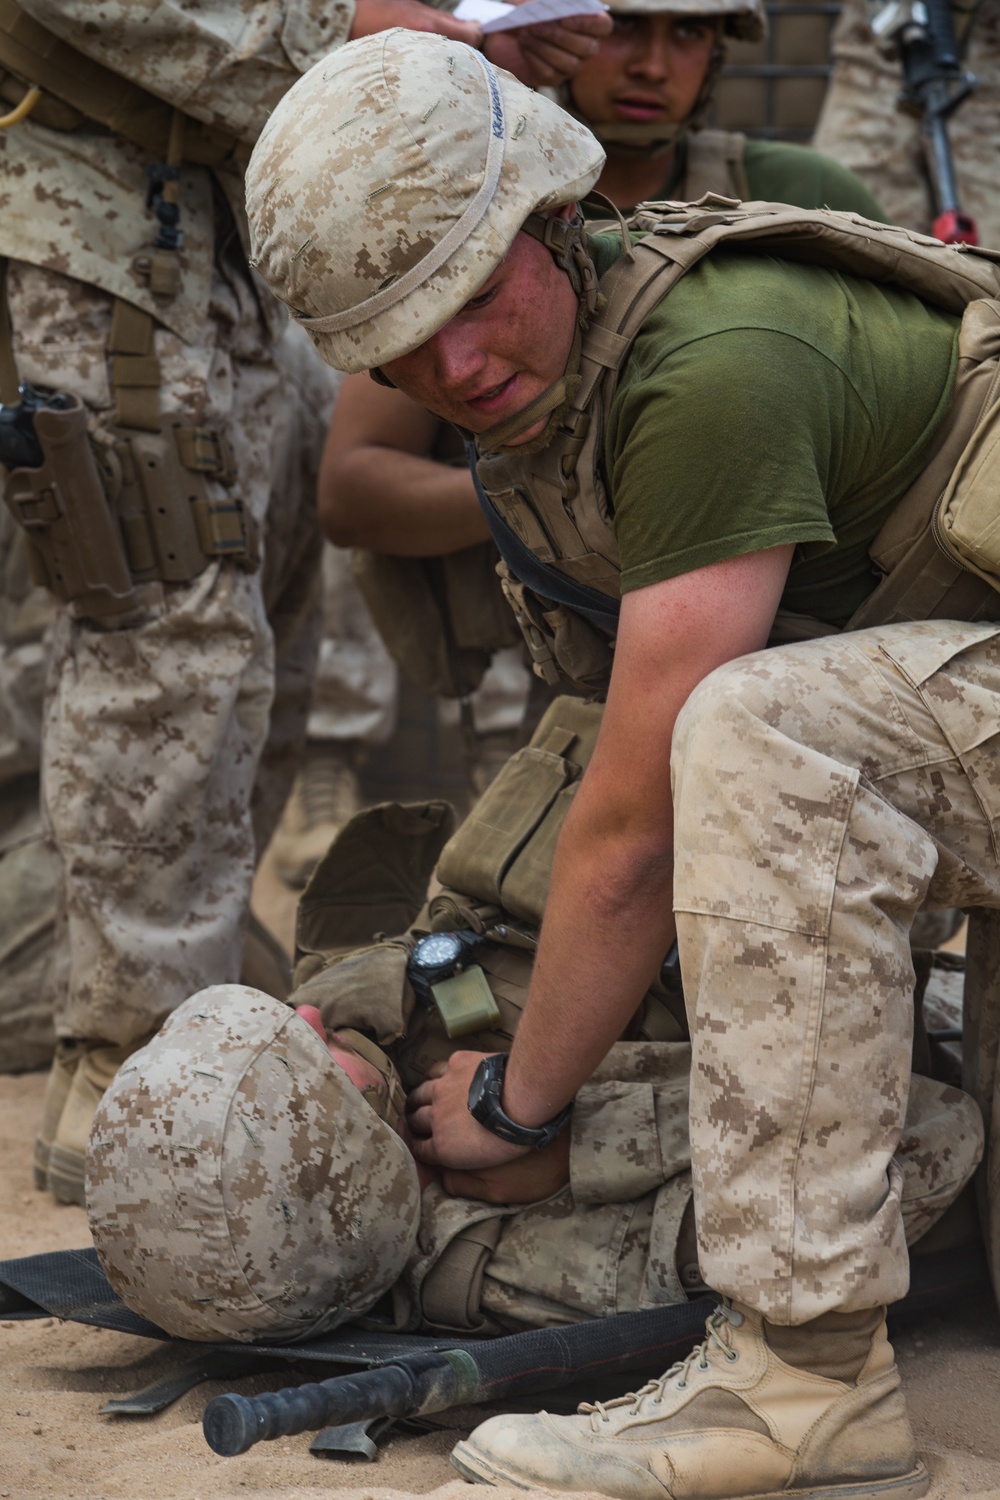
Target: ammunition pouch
[
  {"x": 441, "y": 618},
  {"x": 564, "y": 647},
  {"x": 103, "y": 521},
  {"x": 502, "y": 854}
]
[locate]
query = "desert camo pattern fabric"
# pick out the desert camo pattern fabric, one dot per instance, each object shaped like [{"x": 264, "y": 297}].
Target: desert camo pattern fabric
[
  {"x": 238, "y": 1105},
  {"x": 862, "y": 128},
  {"x": 227, "y": 64},
  {"x": 367, "y": 110},
  {"x": 824, "y": 793},
  {"x": 608, "y": 1242},
  {"x": 153, "y": 732},
  {"x": 190, "y": 686}
]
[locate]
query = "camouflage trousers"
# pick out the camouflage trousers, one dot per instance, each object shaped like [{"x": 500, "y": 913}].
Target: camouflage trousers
[
  {"x": 355, "y": 693},
  {"x": 824, "y": 793},
  {"x": 861, "y": 126},
  {"x": 612, "y": 1241},
  {"x": 154, "y": 733}
]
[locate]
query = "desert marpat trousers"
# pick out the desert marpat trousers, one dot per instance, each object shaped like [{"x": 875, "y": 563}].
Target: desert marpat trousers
[{"x": 824, "y": 793}]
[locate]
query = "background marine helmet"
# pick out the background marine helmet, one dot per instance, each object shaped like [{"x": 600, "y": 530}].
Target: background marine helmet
[
  {"x": 390, "y": 182},
  {"x": 745, "y": 20},
  {"x": 238, "y": 1184}
]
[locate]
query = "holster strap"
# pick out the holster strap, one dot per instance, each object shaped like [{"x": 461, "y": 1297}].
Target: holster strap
[{"x": 8, "y": 365}]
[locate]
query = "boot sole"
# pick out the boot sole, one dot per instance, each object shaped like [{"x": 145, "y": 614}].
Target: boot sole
[
  {"x": 65, "y": 1176},
  {"x": 475, "y": 1468}
]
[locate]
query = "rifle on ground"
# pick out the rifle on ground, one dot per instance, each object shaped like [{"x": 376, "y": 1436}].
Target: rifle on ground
[
  {"x": 480, "y": 1370},
  {"x": 921, "y": 33}
]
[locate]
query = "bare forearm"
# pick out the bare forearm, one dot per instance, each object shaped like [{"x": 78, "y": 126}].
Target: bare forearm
[
  {"x": 395, "y": 502},
  {"x": 608, "y": 925}
]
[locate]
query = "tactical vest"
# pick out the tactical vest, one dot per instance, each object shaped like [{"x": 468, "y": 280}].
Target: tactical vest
[
  {"x": 714, "y": 164},
  {"x": 937, "y": 550}
]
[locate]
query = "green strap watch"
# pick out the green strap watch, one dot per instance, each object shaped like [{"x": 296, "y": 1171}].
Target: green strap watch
[{"x": 484, "y": 1106}]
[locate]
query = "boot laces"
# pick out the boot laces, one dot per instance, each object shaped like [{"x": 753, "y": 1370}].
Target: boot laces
[{"x": 723, "y": 1315}]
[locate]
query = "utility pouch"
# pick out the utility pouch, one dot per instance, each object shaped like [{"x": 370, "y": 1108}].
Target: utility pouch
[
  {"x": 939, "y": 549},
  {"x": 502, "y": 852},
  {"x": 172, "y": 527},
  {"x": 63, "y": 507},
  {"x": 563, "y": 645},
  {"x": 465, "y": 1003},
  {"x": 440, "y": 618},
  {"x": 967, "y": 517}
]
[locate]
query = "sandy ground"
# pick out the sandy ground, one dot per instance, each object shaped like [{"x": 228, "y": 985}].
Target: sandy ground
[{"x": 54, "y": 1377}]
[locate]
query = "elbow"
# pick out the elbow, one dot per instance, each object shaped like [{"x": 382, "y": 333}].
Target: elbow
[
  {"x": 340, "y": 530},
  {"x": 339, "y": 518}
]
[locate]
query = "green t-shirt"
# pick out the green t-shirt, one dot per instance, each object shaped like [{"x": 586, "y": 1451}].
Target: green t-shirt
[
  {"x": 766, "y": 402},
  {"x": 781, "y": 173}
]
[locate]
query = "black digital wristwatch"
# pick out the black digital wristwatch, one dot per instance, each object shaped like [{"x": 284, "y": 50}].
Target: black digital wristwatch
[
  {"x": 485, "y": 1106},
  {"x": 438, "y": 956}
]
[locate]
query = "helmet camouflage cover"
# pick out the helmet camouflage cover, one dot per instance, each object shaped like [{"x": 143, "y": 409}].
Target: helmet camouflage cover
[
  {"x": 745, "y": 19},
  {"x": 390, "y": 182},
  {"x": 238, "y": 1185}
]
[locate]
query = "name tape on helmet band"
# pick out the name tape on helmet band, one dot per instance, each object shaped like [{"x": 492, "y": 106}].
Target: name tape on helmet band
[{"x": 453, "y": 240}]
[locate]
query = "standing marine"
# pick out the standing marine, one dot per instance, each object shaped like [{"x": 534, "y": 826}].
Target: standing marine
[{"x": 162, "y": 395}]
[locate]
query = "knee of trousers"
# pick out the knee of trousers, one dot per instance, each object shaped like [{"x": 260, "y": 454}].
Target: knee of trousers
[{"x": 724, "y": 732}]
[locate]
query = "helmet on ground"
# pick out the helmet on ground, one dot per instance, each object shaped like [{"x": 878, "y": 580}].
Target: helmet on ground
[
  {"x": 390, "y": 182},
  {"x": 238, "y": 1184}
]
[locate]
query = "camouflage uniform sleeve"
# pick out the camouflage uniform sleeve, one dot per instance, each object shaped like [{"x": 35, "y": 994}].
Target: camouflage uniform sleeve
[
  {"x": 227, "y": 65},
  {"x": 630, "y": 1123}
]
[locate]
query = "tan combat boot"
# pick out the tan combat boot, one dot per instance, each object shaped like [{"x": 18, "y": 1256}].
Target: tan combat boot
[
  {"x": 824, "y": 1419},
  {"x": 325, "y": 796},
  {"x": 57, "y": 1089},
  {"x": 94, "y": 1071}
]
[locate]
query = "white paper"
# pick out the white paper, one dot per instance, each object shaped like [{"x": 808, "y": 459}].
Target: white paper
[{"x": 495, "y": 16}]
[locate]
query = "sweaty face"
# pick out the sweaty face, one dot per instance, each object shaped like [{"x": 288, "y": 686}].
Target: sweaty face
[
  {"x": 508, "y": 344},
  {"x": 648, "y": 71}
]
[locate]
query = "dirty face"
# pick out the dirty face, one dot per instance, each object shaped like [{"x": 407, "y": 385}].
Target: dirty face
[
  {"x": 509, "y": 343},
  {"x": 649, "y": 71}
]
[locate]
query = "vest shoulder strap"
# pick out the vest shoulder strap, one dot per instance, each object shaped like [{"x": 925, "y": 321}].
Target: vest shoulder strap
[
  {"x": 715, "y": 164},
  {"x": 679, "y": 235}
]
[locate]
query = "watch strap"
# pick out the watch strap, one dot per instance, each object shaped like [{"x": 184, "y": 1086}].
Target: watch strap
[{"x": 485, "y": 1107}]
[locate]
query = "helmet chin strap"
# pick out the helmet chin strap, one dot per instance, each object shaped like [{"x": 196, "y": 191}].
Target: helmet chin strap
[
  {"x": 553, "y": 403},
  {"x": 646, "y": 141},
  {"x": 567, "y": 240}
]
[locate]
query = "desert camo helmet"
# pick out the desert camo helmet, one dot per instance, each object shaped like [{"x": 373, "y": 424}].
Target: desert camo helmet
[
  {"x": 744, "y": 19},
  {"x": 390, "y": 182},
  {"x": 238, "y": 1185}
]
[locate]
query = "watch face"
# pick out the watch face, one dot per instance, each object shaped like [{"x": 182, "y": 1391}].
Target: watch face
[{"x": 437, "y": 949}]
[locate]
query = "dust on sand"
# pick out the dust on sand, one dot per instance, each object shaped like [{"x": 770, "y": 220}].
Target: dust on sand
[{"x": 54, "y": 1376}]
